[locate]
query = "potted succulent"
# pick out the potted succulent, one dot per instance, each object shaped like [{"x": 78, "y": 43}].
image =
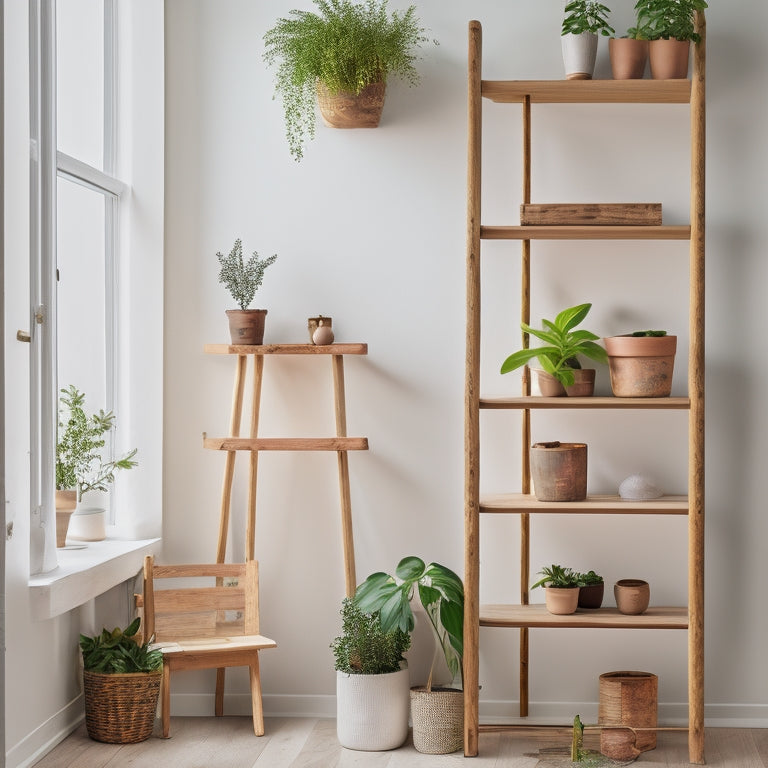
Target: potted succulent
[
  {"x": 629, "y": 54},
  {"x": 242, "y": 279},
  {"x": 437, "y": 712},
  {"x": 591, "y": 590},
  {"x": 670, "y": 25},
  {"x": 341, "y": 57},
  {"x": 121, "y": 684},
  {"x": 583, "y": 21},
  {"x": 559, "y": 358},
  {"x": 372, "y": 681},
  {"x": 641, "y": 363},
  {"x": 80, "y": 465},
  {"x": 561, "y": 589}
]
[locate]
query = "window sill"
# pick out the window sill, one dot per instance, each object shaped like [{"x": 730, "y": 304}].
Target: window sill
[{"x": 84, "y": 573}]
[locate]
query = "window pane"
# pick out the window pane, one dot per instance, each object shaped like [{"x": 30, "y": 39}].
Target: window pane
[{"x": 80, "y": 79}]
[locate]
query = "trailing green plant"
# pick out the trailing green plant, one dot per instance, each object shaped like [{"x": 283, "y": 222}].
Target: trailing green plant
[
  {"x": 364, "y": 647},
  {"x": 563, "y": 344},
  {"x": 242, "y": 278},
  {"x": 586, "y": 16},
  {"x": 557, "y": 576},
  {"x": 347, "y": 46},
  {"x": 441, "y": 593},
  {"x": 666, "y": 19},
  {"x": 589, "y": 578},
  {"x": 119, "y": 652},
  {"x": 79, "y": 461}
]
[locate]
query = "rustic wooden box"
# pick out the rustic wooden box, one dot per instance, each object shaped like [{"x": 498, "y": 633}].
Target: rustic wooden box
[{"x": 602, "y": 214}]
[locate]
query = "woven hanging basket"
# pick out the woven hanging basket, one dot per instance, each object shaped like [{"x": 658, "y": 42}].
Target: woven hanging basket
[
  {"x": 438, "y": 720},
  {"x": 120, "y": 709}
]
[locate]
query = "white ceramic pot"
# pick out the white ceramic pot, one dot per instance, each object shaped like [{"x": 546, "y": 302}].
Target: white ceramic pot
[
  {"x": 88, "y": 524},
  {"x": 372, "y": 710},
  {"x": 579, "y": 55}
]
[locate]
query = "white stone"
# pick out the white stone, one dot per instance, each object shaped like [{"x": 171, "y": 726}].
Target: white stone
[{"x": 639, "y": 488}]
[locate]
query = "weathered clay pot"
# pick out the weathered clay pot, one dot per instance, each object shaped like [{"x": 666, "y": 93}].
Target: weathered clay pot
[
  {"x": 628, "y": 57},
  {"x": 352, "y": 110},
  {"x": 627, "y": 699},
  {"x": 641, "y": 366},
  {"x": 559, "y": 471},
  {"x": 246, "y": 326},
  {"x": 66, "y": 503},
  {"x": 632, "y": 596},
  {"x": 669, "y": 59},
  {"x": 583, "y": 385},
  {"x": 561, "y": 601}
]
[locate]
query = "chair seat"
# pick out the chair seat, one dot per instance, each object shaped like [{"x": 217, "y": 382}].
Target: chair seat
[{"x": 202, "y": 644}]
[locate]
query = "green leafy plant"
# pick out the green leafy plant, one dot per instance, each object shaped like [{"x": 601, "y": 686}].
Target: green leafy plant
[
  {"x": 79, "y": 461},
  {"x": 347, "y": 46},
  {"x": 648, "y": 333},
  {"x": 559, "y": 357},
  {"x": 364, "y": 648},
  {"x": 441, "y": 593},
  {"x": 665, "y": 19},
  {"x": 242, "y": 278},
  {"x": 119, "y": 652},
  {"x": 589, "y": 578},
  {"x": 557, "y": 576},
  {"x": 586, "y": 16}
]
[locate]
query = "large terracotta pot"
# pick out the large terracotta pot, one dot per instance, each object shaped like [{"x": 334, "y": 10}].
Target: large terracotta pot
[
  {"x": 628, "y": 57},
  {"x": 352, "y": 110},
  {"x": 641, "y": 366},
  {"x": 559, "y": 471},
  {"x": 246, "y": 326},
  {"x": 669, "y": 59}
]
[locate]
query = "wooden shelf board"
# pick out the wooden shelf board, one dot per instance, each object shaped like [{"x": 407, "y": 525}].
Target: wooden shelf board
[
  {"x": 590, "y": 403},
  {"x": 286, "y": 349},
  {"x": 588, "y": 91},
  {"x": 286, "y": 443},
  {"x": 586, "y": 232},
  {"x": 595, "y": 504},
  {"x": 608, "y": 618}
]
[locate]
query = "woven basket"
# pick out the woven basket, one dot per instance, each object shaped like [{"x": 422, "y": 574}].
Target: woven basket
[
  {"x": 120, "y": 709},
  {"x": 438, "y": 720}
]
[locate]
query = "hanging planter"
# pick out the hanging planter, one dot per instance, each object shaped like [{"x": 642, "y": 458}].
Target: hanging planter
[
  {"x": 641, "y": 364},
  {"x": 345, "y": 109}
]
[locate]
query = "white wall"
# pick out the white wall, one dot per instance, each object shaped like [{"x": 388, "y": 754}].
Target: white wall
[{"x": 369, "y": 228}]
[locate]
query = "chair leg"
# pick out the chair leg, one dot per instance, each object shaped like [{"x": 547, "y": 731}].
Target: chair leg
[
  {"x": 219, "y": 706},
  {"x": 256, "y": 703},
  {"x": 165, "y": 700}
]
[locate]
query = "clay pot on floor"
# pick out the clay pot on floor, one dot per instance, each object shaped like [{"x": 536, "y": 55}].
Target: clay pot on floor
[
  {"x": 559, "y": 471},
  {"x": 669, "y": 59},
  {"x": 352, "y": 110},
  {"x": 628, "y": 57},
  {"x": 561, "y": 601},
  {"x": 632, "y": 596},
  {"x": 583, "y": 385},
  {"x": 246, "y": 326},
  {"x": 66, "y": 502},
  {"x": 627, "y": 699},
  {"x": 641, "y": 366}
]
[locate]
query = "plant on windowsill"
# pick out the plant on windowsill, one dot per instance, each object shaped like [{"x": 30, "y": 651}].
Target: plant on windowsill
[
  {"x": 340, "y": 58},
  {"x": 561, "y": 587},
  {"x": 80, "y": 465},
  {"x": 242, "y": 279},
  {"x": 584, "y": 20},
  {"x": 559, "y": 358},
  {"x": 121, "y": 684},
  {"x": 437, "y": 712}
]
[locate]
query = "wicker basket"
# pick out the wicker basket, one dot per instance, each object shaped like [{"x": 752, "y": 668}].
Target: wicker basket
[
  {"x": 438, "y": 720},
  {"x": 120, "y": 709}
]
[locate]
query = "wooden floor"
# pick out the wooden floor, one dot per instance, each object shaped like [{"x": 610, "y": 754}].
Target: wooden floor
[{"x": 229, "y": 742}]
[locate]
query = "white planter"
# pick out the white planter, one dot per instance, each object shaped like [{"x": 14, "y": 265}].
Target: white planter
[
  {"x": 579, "y": 55},
  {"x": 372, "y": 710},
  {"x": 88, "y": 524}
]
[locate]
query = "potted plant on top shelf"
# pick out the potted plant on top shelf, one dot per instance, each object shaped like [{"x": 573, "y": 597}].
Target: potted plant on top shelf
[
  {"x": 629, "y": 54},
  {"x": 437, "y": 712},
  {"x": 562, "y": 372},
  {"x": 583, "y": 21},
  {"x": 242, "y": 279},
  {"x": 670, "y": 25},
  {"x": 342, "y": 58}
]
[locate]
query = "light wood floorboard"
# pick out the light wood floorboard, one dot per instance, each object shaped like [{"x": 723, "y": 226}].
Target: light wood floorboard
[{"x": 228, "y": 742}]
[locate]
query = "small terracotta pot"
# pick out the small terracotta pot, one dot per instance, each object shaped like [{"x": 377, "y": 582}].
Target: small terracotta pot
[
  {"x": 591, "y": 596},
  {"x": 641, "y": 366},
  {"x": 66, "y": 503},
  {"x": 628, "y": 57},
  {"x": 583, "y": 385},
  {"x": 559, "y": 471},
  {"x": 561, "y": 601},
  {"x": 246, "y": 326},
  {"x": 632, "y": 596},
  {"x": 669, "y": 59},
  {"x": 352, "y": 110}
]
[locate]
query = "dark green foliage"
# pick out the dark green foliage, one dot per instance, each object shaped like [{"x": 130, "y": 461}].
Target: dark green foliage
[
  {"x": 118, "y": 652},
  {"x": 364, "y": 648},
  {"x": 242, "y": 278},
  {"x": 649, "y": 333},
  {"x": 665, "y": 19},
  {"x": 586, "y": 16},
  {"x": 557, "y": 576},
  {"x": 588, "y": 579}
]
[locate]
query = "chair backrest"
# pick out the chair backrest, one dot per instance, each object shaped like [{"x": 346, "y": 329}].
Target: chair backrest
[{"x": 210, "y": 600}]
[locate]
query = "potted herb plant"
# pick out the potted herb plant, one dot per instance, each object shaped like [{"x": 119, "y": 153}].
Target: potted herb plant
[
  {"x": 559, "y": 358},
  {"x": 561, "y": 589},
  {"x": 629, "y": 54},
  {"x": 641, "y": 363},
  {"x": 372, "y": 681},
  {"x": 591, "y": 590},
  {"x": 437, "y": 712},
  {"x": 341, "y": 57},
  {"x": 80, "y": 464},
  {"x": 671, "y": 27},
  {"x": 242, "y": 279},
  {"x": 583, "y": 21},
  {"x": 121, "y": 684}
]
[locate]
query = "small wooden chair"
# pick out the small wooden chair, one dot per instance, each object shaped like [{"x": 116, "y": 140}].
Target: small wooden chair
[{"x": 205, "y": 627}]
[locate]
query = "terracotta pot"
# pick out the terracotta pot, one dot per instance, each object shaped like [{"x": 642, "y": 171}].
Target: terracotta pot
[
  {"x": 561, "y": 601},
  {"x": 246, "y": 326},
  {"x": 583, "y": 385},
  {"x": 632, "y": 596},
  {"x": 559, "y": 471},
  {"x": 628, "y": 57},
  {"x": 591, "y": 596},
  {"x": 641, "y": 366},
  {"x": 579, "y": 55},
  {"x": 627, "y": 699},
  {"x": 669, "y": 59},
  {"x": 352, "y": 110},
  {"x": 66, "y": 503}
]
